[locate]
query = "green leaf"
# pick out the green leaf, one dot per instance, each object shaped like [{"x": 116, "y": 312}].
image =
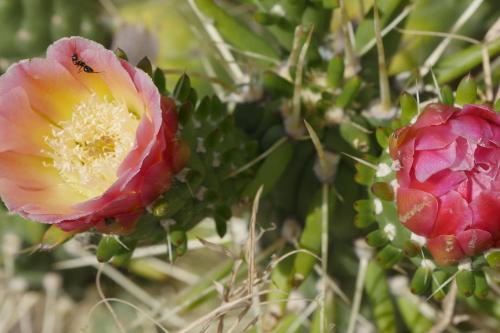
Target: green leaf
[
  {"x": 55, "y": 236},
  {"x": 409, "y": 107},
  {"x": 145, "y": 65},
  {"x": 182, "y": 88},
  {"x": 466, "y": 91},
  {"x": 159, "y": 80}
]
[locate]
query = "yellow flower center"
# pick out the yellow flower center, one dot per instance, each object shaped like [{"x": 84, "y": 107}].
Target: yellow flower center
[{"x": 88, "y": 149}]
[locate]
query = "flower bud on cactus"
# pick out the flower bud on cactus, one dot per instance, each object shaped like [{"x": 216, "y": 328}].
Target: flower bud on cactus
[{"x": 448, "y": 190}]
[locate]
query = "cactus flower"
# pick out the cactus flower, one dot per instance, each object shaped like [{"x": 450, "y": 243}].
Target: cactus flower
[
  {"x": 86, "y": 140},
  {"x": 449, "y": 179}
]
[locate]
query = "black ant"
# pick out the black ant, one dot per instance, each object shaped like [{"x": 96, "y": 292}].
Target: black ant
[{"x": 82, "y": 65}]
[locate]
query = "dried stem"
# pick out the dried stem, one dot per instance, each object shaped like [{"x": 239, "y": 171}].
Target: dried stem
[
  {"x": 385, "y": 92},
  {"x": 448, "y": 309}
]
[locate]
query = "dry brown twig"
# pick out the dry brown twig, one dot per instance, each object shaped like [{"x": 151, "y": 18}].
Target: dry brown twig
[{"x": 448, "y": 309}]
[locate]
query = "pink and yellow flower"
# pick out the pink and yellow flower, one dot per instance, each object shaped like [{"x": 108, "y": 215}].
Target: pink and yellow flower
[
  {"x": 83, "y": 147},
  {"x": 449, "y": 179}
]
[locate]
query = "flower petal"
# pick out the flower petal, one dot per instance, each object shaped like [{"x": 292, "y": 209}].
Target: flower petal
[
  {"x": 52, "y": 91},
  {"x": 21, "y": 129},
  {"x": 435, "y": 137},
  {"x": 486, "y": 208},
  {"x": 110, "y": 78},
  {"x": 430, "y": 162},
  {"x": 445, "y": 249},
  {"x": 441, "y": 182},
  {"x": 454, "y": 215},
  {"x": 417, "y": 210},
  {"x": 475, "y": 241},
  {"x": 434, "y": 114}
]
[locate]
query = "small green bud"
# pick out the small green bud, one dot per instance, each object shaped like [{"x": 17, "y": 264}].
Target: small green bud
[
  {"x": 182, "y": 88},
  {"x": 160, "y": 209},
  {"x": 447, "y": 95},
  {"x": 159, "y": 80},
  {"x": 363, "y": 206},
  {"x": 438, "y": 280},
  {"x": 377, "y": 238},
  {"x": 465, "y": 282},
  {"x": 411, "y": 248},
  {"x": 482, "y": 289},
  {"x": 145, "y": 65},
  {"x": 383, "y": 190},
  {"x": 108, "y": 247},
  {"x": 382, "y": 137},
  {"x": 121, "y": 54},
  {"x": 177, "y": 237},
  {"x": 466, "y": 91},
  {"x": 409, "y": 107},
  {"x": 53, "y": 237},
  {"x": 496, "y": 107},
  {"x": 493, "y": 258},
  {"x": 123, "y": 259},
  {"x": 389, "y": 256},
  {"x": 421, "y": 280}
]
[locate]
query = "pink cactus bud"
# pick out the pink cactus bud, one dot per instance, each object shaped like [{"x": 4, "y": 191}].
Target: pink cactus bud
[{"x": 450, "y": 179}]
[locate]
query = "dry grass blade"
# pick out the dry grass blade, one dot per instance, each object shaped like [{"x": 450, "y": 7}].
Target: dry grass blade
[
  {"x": 218, "y": 248},
  {"x": 103, "y": 298},
  {"x": 385, "y": 92},
  {"x": 250, "y": 254},
  {"x": 117, "y": 300},
  {"x": 448, "y": 309}
]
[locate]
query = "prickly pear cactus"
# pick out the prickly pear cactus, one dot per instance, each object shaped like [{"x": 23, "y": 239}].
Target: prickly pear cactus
[{"x": 29, "y": 26}]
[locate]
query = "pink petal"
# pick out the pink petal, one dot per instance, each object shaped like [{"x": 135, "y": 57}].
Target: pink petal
[
  {"x": 110, "y": 79},
  {"x": 417, "y": 210},
  {"x": 435, "y": 137},
  {"x": 486, "y": 210},
  {"x": 464, "y": 157},
  {"x": 475, "y": 241},
  {"x": 445, "y": 249},
  {"x": 454, "y": 215},
  {"x": 483, "y": 111},
  {"x": 430, "y": 162},
  {"x": 21, "y": 129},
  {"x": 52, "y": 91},
  {"x": 434, "y": 114},
  {"x": 480, "y": 182},
  {"x": 441, "y": 182},
  {"x": 472, "y": 128}
]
